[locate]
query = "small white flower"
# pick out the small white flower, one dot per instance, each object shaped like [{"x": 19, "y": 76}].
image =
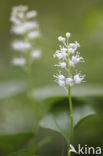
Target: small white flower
[
  {"x": 69, "y": 81},
  {"x": 63, "y": 50},
  {"x": 76, "y": 59},
  {"x": 72, "y": 64},
  {"x": 61, "y": 83},
  {"x": 21, "y": 45},
  {"x": 18, "y": 61},
  {"x": 61, "y": 64},
  {"x": 18, "y": 14},
  {"x": 61, "y": 54},
  {"x": 77, "y": 44},
  {"x": 30, "y": 25},
  {"x": 19, "y": 9},
  {"x": 35, "y": 54},
  {"x": 57, "y": 55},
  {"x": 61, "y": 39},
  {"x": 68, "y": 35},
  {"x": 15, "y": 20},
  {"x": 31, "y": 14},
  {"x": 64, "y": 55},
  {"x": 33, "y": 34},
  {"x": 22, "y": 28},
  {"x": 18, "y": 30},
  {"x": 78, "y": 78},
  {"x": 73, "y": 47},
  {"x": 59, "y": 77},
  {"x": 71, "y": 50},
  {"x": 21, "y": 15}
]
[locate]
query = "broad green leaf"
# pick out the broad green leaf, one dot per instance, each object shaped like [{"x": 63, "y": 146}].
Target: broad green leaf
[
  {"x": 12, "y": 142},
  {"x": 11, "y": 88},
  {"x": 77, "y": 91},
  {"x": 58, "y": 118},
  {"x": 90, "y": 132},
  {"x": 16, "y": 114},
  {"x": 29, "y": 151}
]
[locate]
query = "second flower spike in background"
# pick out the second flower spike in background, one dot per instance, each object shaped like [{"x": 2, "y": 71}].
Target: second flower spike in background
[{"x": 26, "y": 29}]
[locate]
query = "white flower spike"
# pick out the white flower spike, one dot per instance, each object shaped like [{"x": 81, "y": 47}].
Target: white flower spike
[
  {"x": 68, "y": 57},
  {"x": 24, "y": 26}
]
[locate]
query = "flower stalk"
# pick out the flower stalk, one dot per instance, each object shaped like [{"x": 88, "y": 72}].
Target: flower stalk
[
  {"x": 68, "y": 57},
  {"x": 71, "y": 117},
  {"x": 25, "y": 27}
]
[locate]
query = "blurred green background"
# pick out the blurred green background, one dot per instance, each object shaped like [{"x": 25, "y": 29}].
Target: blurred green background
[{"x": 84, "y": 20}]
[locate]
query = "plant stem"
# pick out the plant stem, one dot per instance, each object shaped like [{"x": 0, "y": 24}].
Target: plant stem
[
  {"x": 31, "y": 89},
  {"x": 71, "y": 117},
  {"x": 70, "y": 101}
]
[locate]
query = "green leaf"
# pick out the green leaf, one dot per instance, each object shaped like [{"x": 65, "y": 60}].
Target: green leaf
[
  {"x": 12, "y": 142},
  {"x": 11, "y": 88},
  {"x": 89, "y": 131},
  {"x": 58, "y": 118},
  {"x": 31, "y": 150},
  {"x": 16, "y": 114},
  {"x": 77, "y": 91}
]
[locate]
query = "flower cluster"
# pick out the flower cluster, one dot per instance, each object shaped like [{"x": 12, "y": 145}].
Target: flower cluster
[
  {"x": 27, "y": 29},
  {"x": 68, "y": 57}
]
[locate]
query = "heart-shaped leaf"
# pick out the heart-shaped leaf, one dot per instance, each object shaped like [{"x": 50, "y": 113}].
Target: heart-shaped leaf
[
  {"x": 90, "y": 132},
  {"x": 58, "y": 118}
]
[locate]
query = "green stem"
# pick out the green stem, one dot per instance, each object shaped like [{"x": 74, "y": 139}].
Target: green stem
[
  {"x": 70, "y": 102},
  {"x": 31, "y": 90},
  {"x": 71, "y": 117},
  {"x": 31, "y": 85}
]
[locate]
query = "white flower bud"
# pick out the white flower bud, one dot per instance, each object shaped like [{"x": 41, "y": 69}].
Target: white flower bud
[
  {"x": 35, "y": 54},
  {"x": 18, "y": 30},
  {"x": 21, "y": 45},
  {"x": 31, "y": 14},
  {"x": 30, "y": 25},
  {"x": 77, "y": 44},
  {"x": 68, "y": 34},
  {"x": 61, "y": 39},
  {"x": 78, "y": 79},
  {"x": 72, "y": 64},
  {"x": 18, "y": 61},
  {"x": 62, "y": 64},
  {"x": 61, "y": 83},
  {"x": 61, "y": 77},
  {"x": 33, "y": 34}
]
